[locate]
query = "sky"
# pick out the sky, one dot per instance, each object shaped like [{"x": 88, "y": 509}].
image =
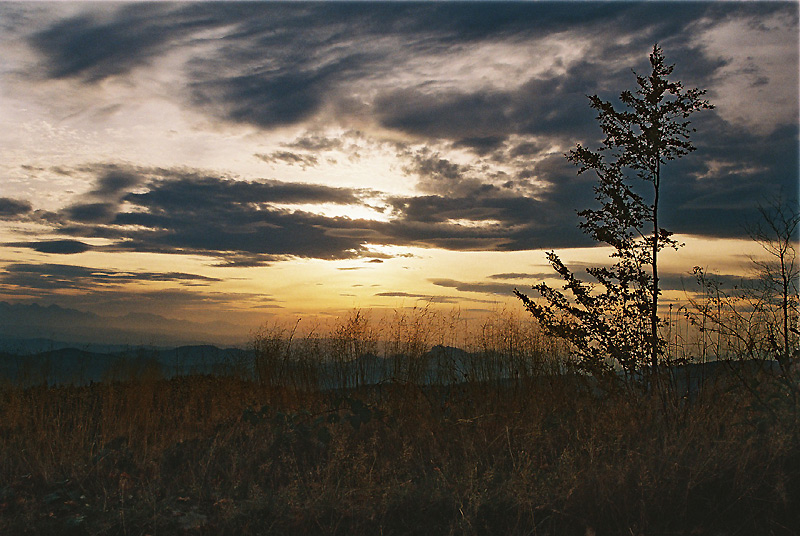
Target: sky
[{"x": 223, "y": 165}]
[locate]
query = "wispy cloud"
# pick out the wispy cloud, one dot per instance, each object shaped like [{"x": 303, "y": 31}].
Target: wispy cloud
[{"x": 66, "y": 276}]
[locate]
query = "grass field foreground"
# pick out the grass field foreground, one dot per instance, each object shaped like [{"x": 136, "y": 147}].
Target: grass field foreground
[{"x": 546, "y": 452}]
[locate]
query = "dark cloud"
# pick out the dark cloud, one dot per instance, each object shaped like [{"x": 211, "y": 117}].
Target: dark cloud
[
  {"x": 242, "y": 223},
  {"x": 243, "y": 260},
  {"x": 288, "y": 157},
  {"x": 13, "y": 208},
  {"x": 483, "y": 287},
  {"x": 181, "y": 191},
  {"x": 669, "y": 281},
  {"x": 716, "y": 190},
  {"x": 97, "y": 45},
  {"x": 485, "y": 222},
  {"x": 433, "y": 208},
  {"x": 519, "y": 276},
  {"x": 308, "y": 66},
  {"x": 94, "y": 46},
  {"x": 481, "y": 145},
  {"x": 280, "y": 64},
  {"x": 266, "y": 100},
  {"x": 277, "y": 64},
  {"x": 62, "y": 247},
  {"x": 179, "y": 211},
  {"x": 422, "y": 297},
  {"x": 400, "y": 294},
  {"x": 111, "y": 184},
  {"x": 65, "y": 276},
  {"x": 440, "y": 175},
  {"x": 315, "y": 142},
  {"x": 115, "y": 182},
  {"x": 446, "y": 115},
  {"x": 431, "y": 298},
  {"x": 727, "y": 283},
  {"x": 91, "y": 212},
  {"x": 553, "y": 106}
]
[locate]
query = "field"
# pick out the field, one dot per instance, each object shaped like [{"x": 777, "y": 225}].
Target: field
[{"x": 534, "y": 449}]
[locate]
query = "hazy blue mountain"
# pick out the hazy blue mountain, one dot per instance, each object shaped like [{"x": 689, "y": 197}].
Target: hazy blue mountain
[
  {"x": 82, "y": 329},
  {"x": 25, "y": 346},
  {"x": 53, "y": 362},
  {"x": 79, "y": 367}
]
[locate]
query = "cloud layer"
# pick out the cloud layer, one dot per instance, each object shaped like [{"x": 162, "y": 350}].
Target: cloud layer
[{"x": 470, "y": 106}]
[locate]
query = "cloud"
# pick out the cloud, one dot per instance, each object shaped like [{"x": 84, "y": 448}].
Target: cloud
[
  {"x": 111, "y": 183},
  {"x": 66, "y": 276},
  {"x": 246, "y": 223},
  {"x": 179, "y": 191},
  {"x": 688, "y": 282},
  {"x": 13, "y": 208},
  {"x": 435, "y": 208},
  {"x": 518, "y": 276},
  {"x": 268, "y": 65},
  {"x": 486, "y": 220},
  {"x": 265, "y": 100},
  {"x": 316, "y": 142},
  {"x": 188, "y": 212},
  {"x": 552, "y": 105},
  {"x": 481, "y": 145},
  {"x": 232, "y": 219},
  {"x": 748, "y": 76},
  {"x": 303, "y": 160},
  {"x": 423, "y": 297},
  {"x": 482, "y": 287},
  {"x": 61, "y": 247},
  {"x": 709, "y": 199},
  {"x": 102, "y": 43},
  {"x": 431, "y": 298},
  {"x": 246, "y": 260},
  {"x": 440, "y": 175},
  {"x": 91, "y": 212},
  {"x": 115, "y": 182},
  {"x": 449, "y": 115},
  {"x": 668, "y": 281},
  {"x": 486, "y": 98}
]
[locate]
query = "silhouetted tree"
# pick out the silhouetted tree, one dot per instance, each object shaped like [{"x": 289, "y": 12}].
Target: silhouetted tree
[
  {"x": 777, "y": 234},
  {"x": 620, "y": 322}
]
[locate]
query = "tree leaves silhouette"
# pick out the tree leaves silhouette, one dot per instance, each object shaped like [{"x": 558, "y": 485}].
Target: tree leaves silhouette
[{"x": 616, "y": 320}]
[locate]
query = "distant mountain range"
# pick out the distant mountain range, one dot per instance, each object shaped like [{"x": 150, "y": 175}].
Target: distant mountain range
[
  {"x": 40, "y": 361},
  {"x": 20, "y": 322},
  {"x": 52, "y": 362},
  {"x": 65, "y": 365}
]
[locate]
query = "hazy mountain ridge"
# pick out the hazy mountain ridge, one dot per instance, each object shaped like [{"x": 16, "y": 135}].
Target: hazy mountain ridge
[
  {"x": 442, "y": 365},
  {"x": 20, "y": 322},
  {"x": 77, "y": 366}
]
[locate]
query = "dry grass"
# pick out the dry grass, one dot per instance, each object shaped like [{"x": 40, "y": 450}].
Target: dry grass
[{"x": 546, "y": 453}]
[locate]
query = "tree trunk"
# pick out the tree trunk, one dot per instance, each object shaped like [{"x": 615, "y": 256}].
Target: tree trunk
[{"x": 654, "y": 311}]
